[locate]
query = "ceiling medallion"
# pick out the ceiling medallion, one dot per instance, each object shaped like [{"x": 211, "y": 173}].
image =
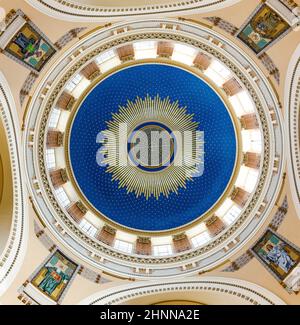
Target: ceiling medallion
[{"x": 152, "y": 147}]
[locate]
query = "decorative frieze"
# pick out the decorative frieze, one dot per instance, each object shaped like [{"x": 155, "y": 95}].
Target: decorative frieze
[
  {"x": 69, "y": 37},
  {"x": 239, "y": 262},
  {"x": 270, "y": 66},
  {"x": 27, "y": 86},
  {"x": 279, "y": 215},
  {"x": 223, "y": 24}
]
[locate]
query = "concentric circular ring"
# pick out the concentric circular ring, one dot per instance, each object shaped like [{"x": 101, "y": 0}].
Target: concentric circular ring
[
  {"x": 128, "y": 195},
  {"x": 59, "y": 206},
  {"x": 163, "y": 160}
]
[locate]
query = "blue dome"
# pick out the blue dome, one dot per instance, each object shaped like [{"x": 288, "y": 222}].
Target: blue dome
[{"x": 152, "y": 214}]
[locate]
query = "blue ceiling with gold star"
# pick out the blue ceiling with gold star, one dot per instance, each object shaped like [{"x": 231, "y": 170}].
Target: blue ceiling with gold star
[{"x": 152, "y": 213}]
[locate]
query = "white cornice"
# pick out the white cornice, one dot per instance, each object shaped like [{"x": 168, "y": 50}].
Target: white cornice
[
  {"x": 14, "y": 252},
  {"x": 210, "y": 290},
  {"x": 292, "y": 104},
  {"x": 70, "y": 11}
]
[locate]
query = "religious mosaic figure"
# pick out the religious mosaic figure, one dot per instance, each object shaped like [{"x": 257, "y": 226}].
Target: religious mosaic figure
[
  {"x": 30, "y": 47},
  {"x": 263, "y": 28},
  {"x": 279, "y": 256},
  {"x": 55, "y": 275}
]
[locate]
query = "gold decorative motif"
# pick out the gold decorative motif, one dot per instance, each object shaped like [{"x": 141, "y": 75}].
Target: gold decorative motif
[
  {"x": 106, "y": 11},
  {"x": 172, "y": 176}
]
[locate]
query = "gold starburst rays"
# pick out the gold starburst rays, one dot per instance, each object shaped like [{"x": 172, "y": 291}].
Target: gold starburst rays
[{"x": 188, "y": 159}]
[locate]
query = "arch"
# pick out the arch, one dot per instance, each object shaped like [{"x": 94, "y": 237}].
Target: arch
[
  {"x": 14, "y": 252},
  {"x": 292, "y": 105},
  {"x": 87, "y": 11},
  {"x": 6, "y": 192},
  {"x": 204, "y": 290}
]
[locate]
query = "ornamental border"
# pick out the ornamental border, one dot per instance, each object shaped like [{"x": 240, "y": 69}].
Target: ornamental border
[
  {"x": 12, "y": 256},
  {"x": 117, "y": 12},
  {"x": 210, "y": 284},
  {"x": 151, "y": 260},
  {"x": 292, "y": 122}
]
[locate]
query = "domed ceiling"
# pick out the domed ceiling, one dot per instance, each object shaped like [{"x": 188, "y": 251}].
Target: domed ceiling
[
  {"x": 155, "y": 148},
  {"x": 139, "y": 194},
  {"x": 149, "y": 149}
]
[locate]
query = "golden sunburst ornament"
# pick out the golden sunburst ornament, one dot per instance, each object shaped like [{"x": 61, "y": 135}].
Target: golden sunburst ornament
[{"x": 152, "y": 147}]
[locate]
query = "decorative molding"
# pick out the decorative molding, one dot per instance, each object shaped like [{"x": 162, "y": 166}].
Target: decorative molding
[
  {"x": 290, "y": 4},
  {"x": 270, "y": 66},
  {"x": 69, "y": 37},
  {"x": 70, "y": 10},
  {"x": 27, "y": 86},
  {"x": 239, "y": 262},
  {"x": 209, "y": 290},
  {"x": 279, "y": 215},
  {"x": 12, "y": 258},
  {"x": 223, "y": 24},
  {"x": 292, "y": 105},
  {"x": 287, "y": 10}
]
